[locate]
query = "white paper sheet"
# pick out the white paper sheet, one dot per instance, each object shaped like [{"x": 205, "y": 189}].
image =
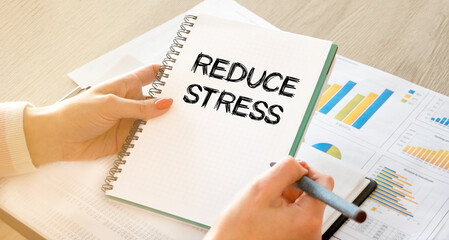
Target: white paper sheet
[
  {"x": 412, "y": 200},
  {"x": 151, "y": 47},
  {"x": 355, "y": 148},
  {"x": 64, "y": 201}
]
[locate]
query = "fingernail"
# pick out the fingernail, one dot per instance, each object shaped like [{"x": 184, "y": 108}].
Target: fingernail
[
  {"x": 304, "y": 164},
  {"x": 163, "y": 103}
]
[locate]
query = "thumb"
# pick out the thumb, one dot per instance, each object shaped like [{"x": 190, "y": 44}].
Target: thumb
[
  {"x": 282, "y": 175},
  {"x": 143, "y": 109},
  {"x": 307, "y": 202}
]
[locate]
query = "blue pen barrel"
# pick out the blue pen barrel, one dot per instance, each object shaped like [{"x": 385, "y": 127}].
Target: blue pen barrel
[{"x": 319, "y": 192}]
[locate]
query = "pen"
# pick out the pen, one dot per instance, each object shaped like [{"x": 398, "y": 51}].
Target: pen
[
  {"x": 319, "y": 192},
  {"x": 74, "y": 92}
]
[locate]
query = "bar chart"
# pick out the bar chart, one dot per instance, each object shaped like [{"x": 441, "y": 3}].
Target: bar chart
[
  {"x": 358, "y": 110},
  {"x": 424, "y": 148},
  {"x": 443, "y": 121},
  {"x": 439, "y": 158},
  {"x": 406, "y": 201},
  {"x": 392, "y": 192},
  {"x": 437, "y": 114},
  {"x": 368, "y": 106}
]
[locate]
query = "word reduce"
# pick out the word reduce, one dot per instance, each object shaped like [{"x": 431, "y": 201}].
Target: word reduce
[{"x": 239, "y": 105}]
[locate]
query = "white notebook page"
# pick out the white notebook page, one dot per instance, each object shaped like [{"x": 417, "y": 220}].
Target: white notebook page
[
  {"x": 349, "y": 181},
  {"x": 191, "y": 161}
]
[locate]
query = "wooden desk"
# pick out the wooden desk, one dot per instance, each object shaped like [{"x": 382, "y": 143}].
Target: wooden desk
[{"x": 42, "y": 41}]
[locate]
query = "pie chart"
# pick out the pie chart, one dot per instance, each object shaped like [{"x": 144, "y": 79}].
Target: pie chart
[{"x": 329, "y": 149}]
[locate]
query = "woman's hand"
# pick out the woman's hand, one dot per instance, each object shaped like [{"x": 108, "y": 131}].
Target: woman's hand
[
  {"x": 94, "y": 123},
  {"x": 272, "y": 208}
]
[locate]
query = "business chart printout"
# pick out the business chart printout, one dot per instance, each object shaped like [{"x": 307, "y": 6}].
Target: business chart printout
[
  {"x": 395, "y": 130},
  {"x": 399, "y": 133}
]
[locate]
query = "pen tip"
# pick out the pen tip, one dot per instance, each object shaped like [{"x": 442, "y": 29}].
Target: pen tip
[
  {"x": 360, "y": 216},
  {"x": 272, "y": 164}
]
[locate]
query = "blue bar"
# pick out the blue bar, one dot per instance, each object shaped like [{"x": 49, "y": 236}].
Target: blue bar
[
  {"x": 446, "y": 123},
  {"x": 438, "y": 120},
  {"x": 411, "y": 91},
  {"x": 372, "y": 109},
  {"x": 389, "y": 189},
  {"x": 388, "y": 201},
  {"x": 381, "y": 173},
  {"x": 385, "y": 192},
  {"x": 376, "y": 192},
  {"x": 391, "y": 206},
  {"x": 379, "y": 181},
  {"x": 433, "y": 119},
  {"x": 390, "y": 169},
  {"x": 390, "y": 181},
  {"x": 388, "y": 174},
  {"x": 337, "y": 97},
  {"x": 444, "y": 120}
]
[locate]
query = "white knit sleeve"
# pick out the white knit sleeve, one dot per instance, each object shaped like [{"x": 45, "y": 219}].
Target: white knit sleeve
[{"x": 14, "y": 155}]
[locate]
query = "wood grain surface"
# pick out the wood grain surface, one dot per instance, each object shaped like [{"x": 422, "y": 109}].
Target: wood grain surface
[{"x": 41, "y": 41}]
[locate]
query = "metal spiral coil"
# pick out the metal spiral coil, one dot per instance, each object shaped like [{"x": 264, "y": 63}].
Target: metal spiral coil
[
  {"x": 153, "y": 91},
  {"x": 170, "y": 57}
]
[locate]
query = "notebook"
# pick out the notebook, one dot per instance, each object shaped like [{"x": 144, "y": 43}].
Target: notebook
[{"x": 243, "y": 97}]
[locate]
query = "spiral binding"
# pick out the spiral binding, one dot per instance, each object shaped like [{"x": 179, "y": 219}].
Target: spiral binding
[{"x": 153, "y": 91}]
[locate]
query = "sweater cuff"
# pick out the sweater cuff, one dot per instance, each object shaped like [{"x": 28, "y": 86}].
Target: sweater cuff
[{"x": 14, "y": 155}]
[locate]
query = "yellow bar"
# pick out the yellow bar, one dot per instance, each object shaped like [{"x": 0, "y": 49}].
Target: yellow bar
[
  {"x": 431, "y": 156},
  {"x": 407, "y": 95},
  {"x": 406, "y": 148},
  {"x": 416, "y": 151},
  {"x": 404, "y": 182},
  {"x": 441, "y": 158},
  {"x": 408, "y": 200},
  {"x": 360, "y": 108},
  {"x": 437, "y": 156},
  {"x": 398, "y": 183},
  {"x": 422, "y": 152},
  {"x": 328, "y": 95},
  {"x": 426, "y": 154},
  {"x": 388, "y": 189},
  {"x": 349, "y": 107},
  {"x": 411, "y": 150},
  {"x": 447, "y": 165},
  {"x": 394, "y": 174},
  {"x": 395, "y": 177},
  {"x": 388, "y": 206},
  {"x": 408, "y": 192},
  {"x": 444, "y": 162}
]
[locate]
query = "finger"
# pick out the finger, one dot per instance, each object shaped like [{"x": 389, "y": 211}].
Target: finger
[
  {"x": 280, "y": 176},
  {"x": 324, "y": 180},
  {"x": 132, "y": 82},
  {"x": 147, "y": 74},
  {"x": 142, "y": 109},
  {"x": 313, "y": 205},
  {"x": 291, "y": 193}
]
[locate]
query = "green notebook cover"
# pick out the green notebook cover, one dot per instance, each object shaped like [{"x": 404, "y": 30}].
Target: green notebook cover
[{"x": 313, "y": 100}]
